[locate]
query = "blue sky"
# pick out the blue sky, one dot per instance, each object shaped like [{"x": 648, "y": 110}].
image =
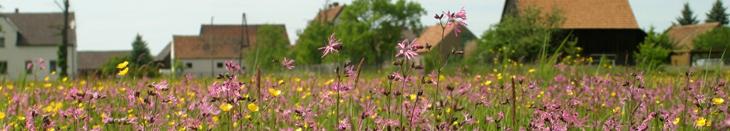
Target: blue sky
[{"x": 112, "y": 24}]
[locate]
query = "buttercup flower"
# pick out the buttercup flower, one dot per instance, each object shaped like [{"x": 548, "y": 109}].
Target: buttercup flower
[
  {"x": 274, "y": 92},
  {"x": 718, "y": 101},
  {"x": 252, "y": 107},
  {"x": 122, "y": 65},
  {"x": 225, "y": 107}
]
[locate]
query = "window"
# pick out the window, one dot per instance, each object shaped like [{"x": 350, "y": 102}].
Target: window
[
  {"x": 28, "y": 66},
  {"x": 2, "y": 40},
  {"x": 189, "y": 65},
  {"x": 52, "y": 66},
  {"x": 3, "y": 67},
  {"x": 219, "y": 65}
]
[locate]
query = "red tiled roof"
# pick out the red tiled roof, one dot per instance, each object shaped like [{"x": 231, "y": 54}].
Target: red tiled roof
[
  {"x": 330, "y": 14},
  {"x": 433, "y": 35},
  {"x": 588, "y": 14},
  {"x": 217, "y": 42},
  {"x": 684, "y": 36}
]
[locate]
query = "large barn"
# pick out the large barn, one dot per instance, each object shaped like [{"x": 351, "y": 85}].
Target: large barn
[{"x": 603, "y": 28}]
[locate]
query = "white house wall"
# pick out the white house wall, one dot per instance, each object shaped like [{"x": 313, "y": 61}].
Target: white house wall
[
  {"x": 204, "y": 67},
  {"x": 17, "y": 56}
]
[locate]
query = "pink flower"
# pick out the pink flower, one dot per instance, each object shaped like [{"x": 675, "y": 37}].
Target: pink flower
[
  {"x": 332, "y": 46},
  {"x": 455, "y": 19},
  {"x": 406, "y": 49},
  {"x": 162, "y": 85},
  {"x": 41, "y": 63},
  {"x": 287, "y": 63},
  {"x": 232, "y": 66}
]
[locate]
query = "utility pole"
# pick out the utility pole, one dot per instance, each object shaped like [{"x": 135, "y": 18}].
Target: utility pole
[
  {"x": 63, "y": 49},
  {"x": 244, "y": 34}
]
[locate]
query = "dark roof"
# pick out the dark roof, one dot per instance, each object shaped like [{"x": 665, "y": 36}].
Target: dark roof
[
  {"x": 95, "y": 59},
  {"x": 164, "y": 53},
  {"x": 587, "y": 14},
  {"x": 329, "y": 14},
  {"x": 684, "y": 36},
  {"x": 217, "y": 41},
  {"x": 41, "y": 29}
]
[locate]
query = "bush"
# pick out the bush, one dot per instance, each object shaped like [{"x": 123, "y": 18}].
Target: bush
[
  {"x": 654, "y": 51},
  {"x": 522, "y": 38},
  {"x": 715, "y": 40}
]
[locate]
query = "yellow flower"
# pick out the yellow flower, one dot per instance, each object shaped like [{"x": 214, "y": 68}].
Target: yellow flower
[
  {"x": 531, "y": 70},
  {"x": 718, "y": 101},
  {"x": 47, "y": 85},
  {"x": 701, "y": 122},
  {"x": 226, "y": 107},
  {"x": 676, "y": 121},
  {"x": 123, "y": 72},
  {"x": 253, "y": 107},
  {"x": 53, "y": 107},
  {"x": 413, "y": 97},
  {"x": 487, "y": 83},
  {"x": 122, "y": 65},
  {"x": 274, "y": 92},
  {"x": 2, "y": 115}
]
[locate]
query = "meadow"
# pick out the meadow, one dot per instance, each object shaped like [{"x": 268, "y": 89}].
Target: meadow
[{"x": 507, "y": 97}]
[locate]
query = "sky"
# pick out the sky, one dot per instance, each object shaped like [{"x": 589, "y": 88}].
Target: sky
[{"x": 112, "y": 24}]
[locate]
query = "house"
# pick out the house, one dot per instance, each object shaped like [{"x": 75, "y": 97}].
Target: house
[
  {"x": 28, "y": 37},
  {"x": 603, "y": 28},
  {"x": 444, "y": 41},
  {"x": 683, "y": 38},
  {"x": 330, "y": 13},
  {"x": 91, "y": 62},
  {"x": 205, "y": 54}
]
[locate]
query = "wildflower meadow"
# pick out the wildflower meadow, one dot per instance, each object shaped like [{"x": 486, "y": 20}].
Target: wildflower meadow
[{"x": 508, "y": 95}]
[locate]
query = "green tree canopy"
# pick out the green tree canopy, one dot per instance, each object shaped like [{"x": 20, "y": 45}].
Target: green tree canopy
[
  {"x": 717, "y": 13},
  {"x": 371, "y": 28},
  {"x": 269, "y": 49},
  {"x": 518, "y": 37},
  {"x": 140, "y": 59},
  {"x": 654, "y": 51},
  {"x": 715, "y": 40},
  {"x": 306, "y": 49},
  {"x": 687, "y": 17}
]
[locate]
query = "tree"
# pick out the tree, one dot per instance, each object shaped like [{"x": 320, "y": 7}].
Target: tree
[
  {"x": 140, "y": 59},
  {"x": 370, "y": 29},
  {"x": 519, "y": 37},
  {"x": 687, "y": 17},
  {"x": 306, "y": 50},
  {"x": 715, "y": 40},
  {"x": 269, "y": 49},
  {"x": 717, "y": 13},
  {"x": 140, "y": 53},
  {"x": 653, "y": 52}
]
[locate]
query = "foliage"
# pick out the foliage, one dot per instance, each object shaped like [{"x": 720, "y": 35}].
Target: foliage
[
  {"x": 269, "y": 48},
  {"x": 109, "y": 68},
  {"x": 140, "y": 59},
  {"x": 687, "y": 17},
  {"x": 715, "y": 40},
  {"x": 306, "y": 49},
  {"x": 371, "y": 28},
  {"x": 654, "y": 51},
  {"x": 718, "y": 13},
  {"x": 521, "y": 37}
]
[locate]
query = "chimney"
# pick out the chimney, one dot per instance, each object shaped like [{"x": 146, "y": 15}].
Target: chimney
[{"x": 17, "y": 10}]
